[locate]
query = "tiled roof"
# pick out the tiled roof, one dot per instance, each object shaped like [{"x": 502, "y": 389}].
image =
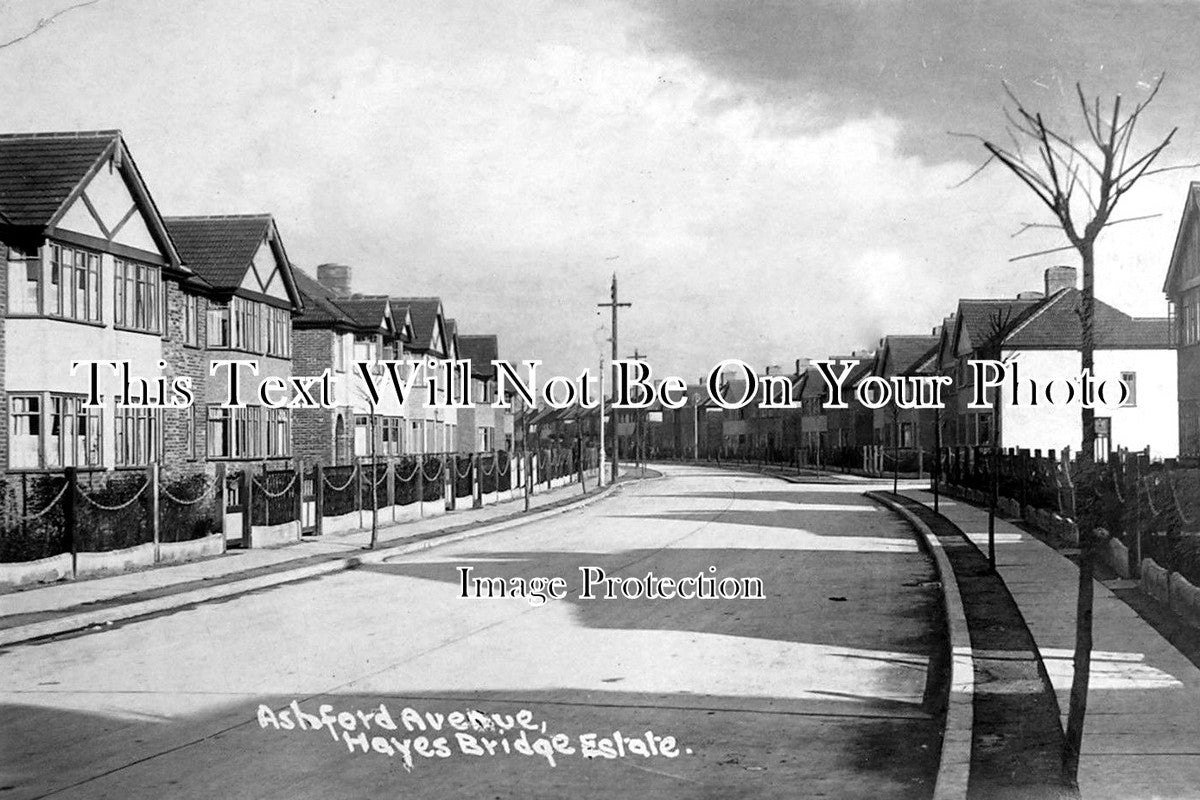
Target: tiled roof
[
  {"x": 1057, "y": 325},
  {"x": 480, "y": 350},
  {"x": 319, "y": 308},
  {"x": 365, "y": 310},
  {"x": 980, "y": 318},
  {"x": 39, "y": 171},
  {"x": 423, "y": 311},
  {"x": 219, "y": 248},
  {"x": 905, "y": 353}
]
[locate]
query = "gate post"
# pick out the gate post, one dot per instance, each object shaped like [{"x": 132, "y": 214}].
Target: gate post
[
  {"x": 247, "y": 505},
  {"x": 318, "y": 498},
  {"x": 222, "y": 504},
  {"x": 72, "y": 478},
  {"x": 155, "y": 522}
]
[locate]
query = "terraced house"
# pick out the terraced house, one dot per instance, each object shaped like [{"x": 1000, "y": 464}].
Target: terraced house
[{"x": 91, "y": 274}]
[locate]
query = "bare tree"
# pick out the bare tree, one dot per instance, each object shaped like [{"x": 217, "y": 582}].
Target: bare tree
[{"x": 1080, "y": 181}]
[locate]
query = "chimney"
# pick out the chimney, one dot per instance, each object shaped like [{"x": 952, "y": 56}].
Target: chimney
[
  {"x": 1059, "y": 278},
  {"x": 1030, "y": 295},
  {"x": 335, "y": 278}
]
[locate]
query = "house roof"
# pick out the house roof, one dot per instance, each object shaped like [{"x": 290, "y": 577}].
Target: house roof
[
  {"x": 39, "y": 172},
  {"x": 902, "y": 355},
  {"x": 481, "y": 350},
  {"x": 1056, "y": 324},
  {"x": 367, "y": 311},
  {"x": 814, "y": 384},
  {"x": 423, "y": 311},
  {"x": 320, "y": 311},
  {"x": 980, "y": 318},
  {"x": 219, "y": 248},
  {"x": 41, "y": 175}
]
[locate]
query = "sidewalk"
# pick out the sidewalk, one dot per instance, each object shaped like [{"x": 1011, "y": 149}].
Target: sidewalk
[
  {"x": 1142, "y": 732},
  {"x": 73, "y": 605}
]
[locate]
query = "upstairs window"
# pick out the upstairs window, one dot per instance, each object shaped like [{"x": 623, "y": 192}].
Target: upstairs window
[
  {"x": 218, "y": 325},
  {"x": 1130, "y": 381},
  {"x": 24, "y": 281},
  {"x": 74, "y": 287},
  {"x": 138, "y": 298},
  {"x": 191, "y": 320},
  {"x": 279, "y": 332},
  {"x": 247, "y": 325}
]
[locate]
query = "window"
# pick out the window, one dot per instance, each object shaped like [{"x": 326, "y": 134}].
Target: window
[
  {"x": 393, "y": 436},
  {"x": 74, "y": 289},
  {"x": 339, "y": 352},
  {"x": 279, "y": 332},
  {"x": 72, "y": 432},
  {"x": 24, "y": 430},
  {"x": 1130, "y": 381},
  {"x": 73, "y": 436},
  {"x": 234, "y": 432},
  {"x": 247, "y": 325},
  {"x": 279, "y": 432},
  {"x": 983, "y": 429},
  {"x": 24, "y": 281},
  {"x": 906, "y": 434},
  {"x": 138, "y": 300},
  {"x": 365, "y": 349},
  {"x": 191, "y": 320},
  {"x": 362, "y": 435},
  {"x": 189, "y": 442},
  {"x": 218, "y": 324},
  {"x": 138, "y": 435}
]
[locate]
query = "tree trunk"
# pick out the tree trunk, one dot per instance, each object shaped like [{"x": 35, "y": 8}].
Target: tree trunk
[{"x": 1084, "y": 519}]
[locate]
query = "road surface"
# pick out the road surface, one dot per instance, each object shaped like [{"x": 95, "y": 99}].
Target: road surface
[{"x": 815, "y": 690}]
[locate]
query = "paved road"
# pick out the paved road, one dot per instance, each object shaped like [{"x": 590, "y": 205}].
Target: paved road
[{"x": 814, "y": 691}]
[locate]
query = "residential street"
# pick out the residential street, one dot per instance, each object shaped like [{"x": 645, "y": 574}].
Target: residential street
[{"x": 816, "y": 690}]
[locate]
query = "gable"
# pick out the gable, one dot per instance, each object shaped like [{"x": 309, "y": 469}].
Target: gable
[
  {"x": 106, "y": 209},
  {"x": 264, "y": 276}
]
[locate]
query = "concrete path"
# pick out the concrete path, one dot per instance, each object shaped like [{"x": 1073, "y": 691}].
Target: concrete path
[
  {"x": 1142, "y": 733},
  {"x": 817, "y": 690}
]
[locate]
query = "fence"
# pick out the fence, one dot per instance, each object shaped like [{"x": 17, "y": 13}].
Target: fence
[
  {"x": 1151, "y": 508},
  {"x": 82, "y": 522},
  {"x": 62, "y": 523}
]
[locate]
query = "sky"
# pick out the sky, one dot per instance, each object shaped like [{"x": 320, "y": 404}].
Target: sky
[{"x": 769, "y": 181}]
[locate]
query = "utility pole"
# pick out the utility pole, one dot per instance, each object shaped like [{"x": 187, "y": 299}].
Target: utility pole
[
  {"x": 614, "y": 305},
  {"x": 639, "y": 433},
  {"x": 600, "y": 421}
]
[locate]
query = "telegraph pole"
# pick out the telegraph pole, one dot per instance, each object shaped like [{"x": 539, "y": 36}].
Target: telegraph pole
[
  {"x": 614, "y": 305},
  {"x": 639, "y": 432}
]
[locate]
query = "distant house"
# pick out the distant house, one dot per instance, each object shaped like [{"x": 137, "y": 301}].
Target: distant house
[
  {"x": 849, "y": 429},
  {"x": 92, "y": 274},
  {"x": 814, "y": 422},
  {"x": 900, "y": 357},
  {"x": 1041, "y": 334},
  {"x": 1182, "y": 287},
  {"x": 482, "y": 428},
  {"x": 252, "y": 297}
]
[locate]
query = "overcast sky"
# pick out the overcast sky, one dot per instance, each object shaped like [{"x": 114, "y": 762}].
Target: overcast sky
[{"x": 769, "y": 180}]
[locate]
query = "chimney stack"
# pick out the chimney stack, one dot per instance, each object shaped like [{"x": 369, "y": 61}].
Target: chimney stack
[
  {"x": 335, "y": 278},
  {"x": 1059, "y": 278}
]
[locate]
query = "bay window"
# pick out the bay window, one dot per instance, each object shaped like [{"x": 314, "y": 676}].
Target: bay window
[
  {"x": 24, "y": 281},
  {"x": 137, "y": 436},
  {"x": 73, "y": 291},
  {"x": 53, "y": 430}
]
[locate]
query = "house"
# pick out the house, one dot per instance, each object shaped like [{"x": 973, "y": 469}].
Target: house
[
  {"x": 899, "y": 357},
  {"x": 252, "y": 297},
  {"x": 92, "y": 274},
  {"x": 1182, "y": 288},
  {"x": 814, "y": 420},
  {"x": 1041, "y": 334},
  {"x": 431, "y": 429},
  {"x": 481, "y": 427},
  {"x": 849, "y": 429}
]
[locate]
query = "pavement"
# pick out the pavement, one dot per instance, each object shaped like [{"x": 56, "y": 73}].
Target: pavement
[
  {"x": 66, "y": 606},
  {"x": 1142, "y": 730},
  {"x": 822, "y": 688}
]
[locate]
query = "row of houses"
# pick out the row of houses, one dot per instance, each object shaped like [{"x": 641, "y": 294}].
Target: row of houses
[
  {"x": 97, "y": 273},
  {"x": 1039, "y": 330}
]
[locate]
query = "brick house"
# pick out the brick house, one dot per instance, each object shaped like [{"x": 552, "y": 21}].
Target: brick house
[
  {"x": 482, "y": 428},
  {"x": 332, "y": 333},
  {"x": 1040, "y": 332},
  {"x": 91, "y": 274},
  {"x": 241, "y": 262},
  {"x": 431, "y": 430}
]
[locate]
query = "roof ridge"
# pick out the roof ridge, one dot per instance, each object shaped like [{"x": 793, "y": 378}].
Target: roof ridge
[
  {"x": 264, "y": 215},
  {"x": 63, "y": 134}
]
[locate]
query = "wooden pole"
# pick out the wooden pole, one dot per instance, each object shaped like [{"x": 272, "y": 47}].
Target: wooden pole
[
  {"x": 319, "y": 498},
  {"x": 69, "y": 521},
  {"x": 152, "y": 474}
]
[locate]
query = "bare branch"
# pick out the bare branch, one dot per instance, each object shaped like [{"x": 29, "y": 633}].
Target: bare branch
[
  {"x": 977, "y": 170},
  {"x": 45, "y": 21},
  {"x": 1042, "y": 253}
]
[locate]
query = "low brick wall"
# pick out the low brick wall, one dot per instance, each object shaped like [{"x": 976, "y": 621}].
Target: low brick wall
[
  {"x": 43, "y": 570},
  {"x": 1155, "y": 581},
  {"x": 178, "y": 552},
  {"x": 275, "y": 535},
  {"x": 1185, "y": 599},
  {"x": 112, "y": 561}
]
